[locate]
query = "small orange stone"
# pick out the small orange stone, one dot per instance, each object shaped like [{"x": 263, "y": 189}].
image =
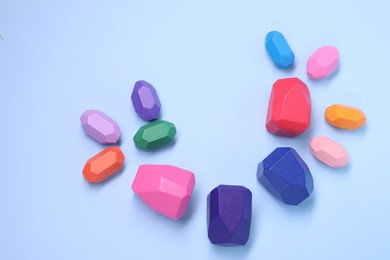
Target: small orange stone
[
  {"x": 346, "y": 117},
  {"x": 103, "y": 164}
]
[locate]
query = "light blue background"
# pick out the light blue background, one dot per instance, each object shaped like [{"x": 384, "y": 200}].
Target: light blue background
[{"x": 208, "y": 63}]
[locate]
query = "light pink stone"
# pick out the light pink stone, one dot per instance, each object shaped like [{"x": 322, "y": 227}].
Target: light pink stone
[
  {"x": 323, "y": 62},
  {"x": 165, "y": 188},
  {"x": 329, "y": 152}
]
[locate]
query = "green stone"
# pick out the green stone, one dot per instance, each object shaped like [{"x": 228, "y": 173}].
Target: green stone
[{"x": 155, "y": 135}]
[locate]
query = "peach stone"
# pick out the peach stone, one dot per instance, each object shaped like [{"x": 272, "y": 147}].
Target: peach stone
[{"x": 329, "y": 152}]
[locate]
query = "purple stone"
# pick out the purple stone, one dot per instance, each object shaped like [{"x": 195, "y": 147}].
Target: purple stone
[
  {"x": 229, "y": 214},
  {"x": 145, "y": 100},
  {"x": 100, "y": 127}
]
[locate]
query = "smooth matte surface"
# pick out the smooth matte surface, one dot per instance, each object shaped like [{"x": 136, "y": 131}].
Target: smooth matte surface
[
  {"x": 279, "y": 50},
  {"x": 103, "y": 165},
  {"x": 329, "y": 152},
  {"x": 289, "y": 108},
  {"x": 286, "y": 176},
  {"x": 229, "y": 214},
  {"x": 345, "y": 117},
  {"x": 165, "y": 188},
  {"x": 145, "y": 100},
  {"x": 207, "y": 58},
  {"x": 100, "y": 127},
  {"x": 323, "y": 62},
  {"x": 155, "y": 135}
]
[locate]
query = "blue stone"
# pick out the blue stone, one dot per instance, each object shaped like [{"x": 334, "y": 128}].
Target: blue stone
[
  {"x": 229, "y": 214},
  {"x": 279, "y": 50},
  {"x": 285, "y": 175}
]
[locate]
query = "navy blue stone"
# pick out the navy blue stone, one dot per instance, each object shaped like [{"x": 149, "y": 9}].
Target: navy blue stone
[
  {"x": 229, "y": 214},
  {"x": 279, "y": 49},
  {"x": 285, "y": 175}
]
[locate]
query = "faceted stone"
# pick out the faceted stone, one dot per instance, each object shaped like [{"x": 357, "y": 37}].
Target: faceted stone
[
  {"x": 229, "y": 214},
  {"x": 329, "y": 152},
  {"x": 345, "y": 117},
  {"x": 100, "y": 127},
  {"x": 145, "y": 101},
  {"x": 286, "y": 176},
  {"x": 279, "y": 50},
  {"x": 323, "y": 62},
  {"x": 165, "y": 188},
  {"x": 103, "y": 164},
  {"x": 155, "y": 135},
  {"x": 289, "y": 108}
]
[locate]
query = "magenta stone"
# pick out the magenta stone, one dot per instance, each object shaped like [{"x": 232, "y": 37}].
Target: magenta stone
[
  {"x": 165, "y": 188},
  {"x": 100, "y": 127},
  {"x": 229, "y": 214},
  {"x": 145, "y": 100}
]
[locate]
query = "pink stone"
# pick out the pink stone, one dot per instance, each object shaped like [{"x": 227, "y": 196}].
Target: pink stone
[
  {"x": 329, "y": 152},
  {"x": 323, "y": 62},
  {"x": 165, "y": 188}
]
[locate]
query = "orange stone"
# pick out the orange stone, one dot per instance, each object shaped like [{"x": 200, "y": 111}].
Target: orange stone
[
  {"x": 103, "y": 164},
  {"x": 346, "y": 117}
]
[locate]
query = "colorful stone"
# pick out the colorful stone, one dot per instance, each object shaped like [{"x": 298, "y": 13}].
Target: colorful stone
[
  {"x": 289, "y": 108},
  {"x": 345, "y": 117},
  {"x": 100, "y": 127},
  {"x": 155, "y": 135},
  {"x": 104, "y": 164},
  {"x": 323, "y": 62},
  {"x": 229, "y": 214},
  {"x": 286, "y": 176},
  {"x": 279, "y": 50},
  {"x": 329, "y": 152},
  {"x": 165, "y": 188},
  {"x": 145, "y": 101}
]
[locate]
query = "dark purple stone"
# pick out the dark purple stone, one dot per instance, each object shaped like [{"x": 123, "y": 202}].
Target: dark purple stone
[
  {"x": 145, "y": 100},
  {"x": 229, "y": 214}
]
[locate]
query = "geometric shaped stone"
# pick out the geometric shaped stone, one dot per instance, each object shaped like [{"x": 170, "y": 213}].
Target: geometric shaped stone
[
  {"x": 289, "y": 108},
  {"x": 329, "y": 152},
  {"x": 104, "y": 164},
  {"x": 279, "y": 49},
  {"x": 155, "y": 135},
  {"x": 229, "y": 214},
  {"x": 165, "y": 188},
  {"x": 100, "y": 127},
  {"x": 145, "y": 100},
  {"x": 323, "y": 62},
  {"x": 286, "y": 176},
  {"x": 345, "y": 117}
]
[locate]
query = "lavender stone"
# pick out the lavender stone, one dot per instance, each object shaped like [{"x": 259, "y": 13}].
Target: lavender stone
[
  {"x": 100, "y": 127},
  {"x": 145, "y": 100},
  {"x": 229, "y": 214}
]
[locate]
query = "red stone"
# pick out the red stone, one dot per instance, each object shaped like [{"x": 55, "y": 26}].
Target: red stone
[{"x": 289, "y": 108}]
